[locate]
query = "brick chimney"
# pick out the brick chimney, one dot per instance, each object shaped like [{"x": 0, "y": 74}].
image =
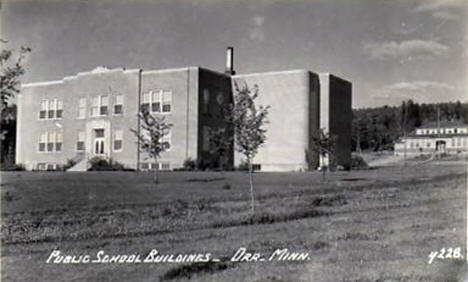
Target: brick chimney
[{"x": 230, "y": 61}]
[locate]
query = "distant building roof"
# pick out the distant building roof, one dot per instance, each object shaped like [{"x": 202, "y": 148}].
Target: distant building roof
[{"x": 444, "y": 123}]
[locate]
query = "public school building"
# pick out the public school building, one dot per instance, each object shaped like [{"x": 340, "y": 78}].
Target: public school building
[{"x": 90, "y": 115}]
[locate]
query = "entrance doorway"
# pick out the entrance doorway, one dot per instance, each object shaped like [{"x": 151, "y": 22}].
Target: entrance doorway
[
  {"x": 440, "y": 146},
  {"x": 99, "y": 147}
]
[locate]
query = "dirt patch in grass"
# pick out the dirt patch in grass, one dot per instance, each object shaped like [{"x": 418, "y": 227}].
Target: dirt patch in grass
[
  {"x": 187, "y": 271},
  {"x": 205, "y": 180}
]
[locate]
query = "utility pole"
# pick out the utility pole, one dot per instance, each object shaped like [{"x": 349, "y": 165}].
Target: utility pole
[
  {"x": 404, "y": 132},
  {"x": 438, "y": 131}
]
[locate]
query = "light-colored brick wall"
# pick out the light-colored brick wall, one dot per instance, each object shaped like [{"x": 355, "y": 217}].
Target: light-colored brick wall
[
  {"x": 290, "y": 96},
  {"x": 69, "y": 91},
  {"x": 183, "y": 83},
  {"x": 297, "y": 110}
]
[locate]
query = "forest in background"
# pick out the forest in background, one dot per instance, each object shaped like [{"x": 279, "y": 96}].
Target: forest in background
[
  {"x": 376, "y": 129},
  {"x": 373, "y": 129}
]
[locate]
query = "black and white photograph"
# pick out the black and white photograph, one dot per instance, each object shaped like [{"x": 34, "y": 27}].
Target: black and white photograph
[{"x": 234, "y": 140}]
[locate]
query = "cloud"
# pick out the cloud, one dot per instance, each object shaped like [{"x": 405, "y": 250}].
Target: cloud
[
  {"x": 441, "y": 9},
  {"x": 434, "y": 5},
  {"x": 410, "y": 49},
  {"x": 420, "y": 91},
  {"x": 445, "y": 15},
  {"x": 256, "y": 32}
]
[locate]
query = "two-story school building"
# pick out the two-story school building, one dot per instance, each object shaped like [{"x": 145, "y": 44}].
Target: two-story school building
[
  {"x": 91, "y": 114},
  {"x": 449, "y": 137}
]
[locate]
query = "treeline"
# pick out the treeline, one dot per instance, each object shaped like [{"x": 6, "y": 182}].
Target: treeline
[{"x": 377, "y": 128}]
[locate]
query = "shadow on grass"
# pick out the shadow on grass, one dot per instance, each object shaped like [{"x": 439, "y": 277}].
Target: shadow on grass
[
  {"x": 353, "y": 179},
  {"x": 187, "y": 271},
  {"x": 205, "y": 180},
  {"x": 268, "y": 218}
]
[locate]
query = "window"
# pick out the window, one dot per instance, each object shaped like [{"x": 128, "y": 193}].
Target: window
[
  {"x": 167, "y": 100},
  {"x": 99, "y": 133},
  {"x": 100, "y": 106},
  {"x": 52, "y": 107},
  {"x": 118, "y": 105},
  {"x": 80, "y": 143},
  {"x": 455, "y": 130},
  {"x": 50, "y": 142},
  {"x": 166, "y": 140},
  {"x": 146, "y": 102},
  {"x": 42, "y": 142},
  {"x": 95, "y": 107},
  {"x": 58, "y": 142},
  {"x": 417, "y": 144},
  {"x": 206, "y": 100},
  {"x": 256, "y": 167},
  {"x": 118, "y": 140},
  {"x": 82, "y": 108},
  {"x": 104, "y": 105},
  {"x": 43, "y": 111},
  {"x": 453, "y": 142},
  {"x": 157, "y": 101},
  {"x": 428, "y": 144},
  {"x": 155, "y": 166},
  {"x": 59, "y": 113},
  {"x": 41, "y": 166}
]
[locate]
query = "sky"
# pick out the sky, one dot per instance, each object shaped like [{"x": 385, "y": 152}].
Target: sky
[{"x": 391, "y": 50}]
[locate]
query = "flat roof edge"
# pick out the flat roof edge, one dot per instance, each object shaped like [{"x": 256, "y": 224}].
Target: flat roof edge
[{"x": 273, "y": 73}]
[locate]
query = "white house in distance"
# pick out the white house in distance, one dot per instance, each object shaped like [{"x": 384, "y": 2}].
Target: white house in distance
[{"x": 450, "y": 137}]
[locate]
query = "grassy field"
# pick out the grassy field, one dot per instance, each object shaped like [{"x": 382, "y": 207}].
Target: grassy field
[{"x": 374, "y": 225}]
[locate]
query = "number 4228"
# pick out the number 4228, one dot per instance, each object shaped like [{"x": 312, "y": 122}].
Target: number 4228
[{"x": 449, "y": 253}]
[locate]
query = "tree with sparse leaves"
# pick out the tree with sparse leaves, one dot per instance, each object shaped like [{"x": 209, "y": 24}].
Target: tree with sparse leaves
[
  {"x": 323, "y": 143},
  {"x": 221, "y": 146},
  {"x": 11, "y": 69},
  {"x": 151, "y": 136},
  {"x": 248, "y": 121}
]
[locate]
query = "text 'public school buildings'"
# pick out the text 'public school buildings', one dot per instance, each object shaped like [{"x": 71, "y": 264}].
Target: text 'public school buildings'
[
  {"x": 448, "y": 137},
  {"x": 90, "y": 115}
]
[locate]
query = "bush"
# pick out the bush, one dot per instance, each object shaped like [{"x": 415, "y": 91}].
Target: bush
[
  {"x": 243, "y": 166},
  {"x": 357, "y": 162},
  {"x": 190, "y": 164},
  {"x": 101, "y": 164},
  {"x": 12, "y": 167},
  {"x": 68, "y": 165}
]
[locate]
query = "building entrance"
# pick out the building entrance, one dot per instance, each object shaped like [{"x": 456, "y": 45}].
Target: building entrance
[{"x": 99, "y": 148}]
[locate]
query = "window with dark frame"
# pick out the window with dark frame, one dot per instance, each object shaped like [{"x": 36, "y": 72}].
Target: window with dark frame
[
  {"x": 118, "y": 105},
  {"x": 118, "y": 140},
  {"x": 80, "y": 143}
]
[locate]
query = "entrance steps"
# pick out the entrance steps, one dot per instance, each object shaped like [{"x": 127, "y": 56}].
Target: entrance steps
[{"x": 81, "y": 164}]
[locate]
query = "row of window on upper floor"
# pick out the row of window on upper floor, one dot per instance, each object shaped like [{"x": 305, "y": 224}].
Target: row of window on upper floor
[
  {"x": 50, "y": 142},
  {"x": 455, "y": 142},
  {"x": 441, "y": 131},
  {"x": 153, "y": 101}
]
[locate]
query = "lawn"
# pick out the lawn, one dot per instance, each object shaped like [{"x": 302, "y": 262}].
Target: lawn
[{"x": 372, "y": 225}]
